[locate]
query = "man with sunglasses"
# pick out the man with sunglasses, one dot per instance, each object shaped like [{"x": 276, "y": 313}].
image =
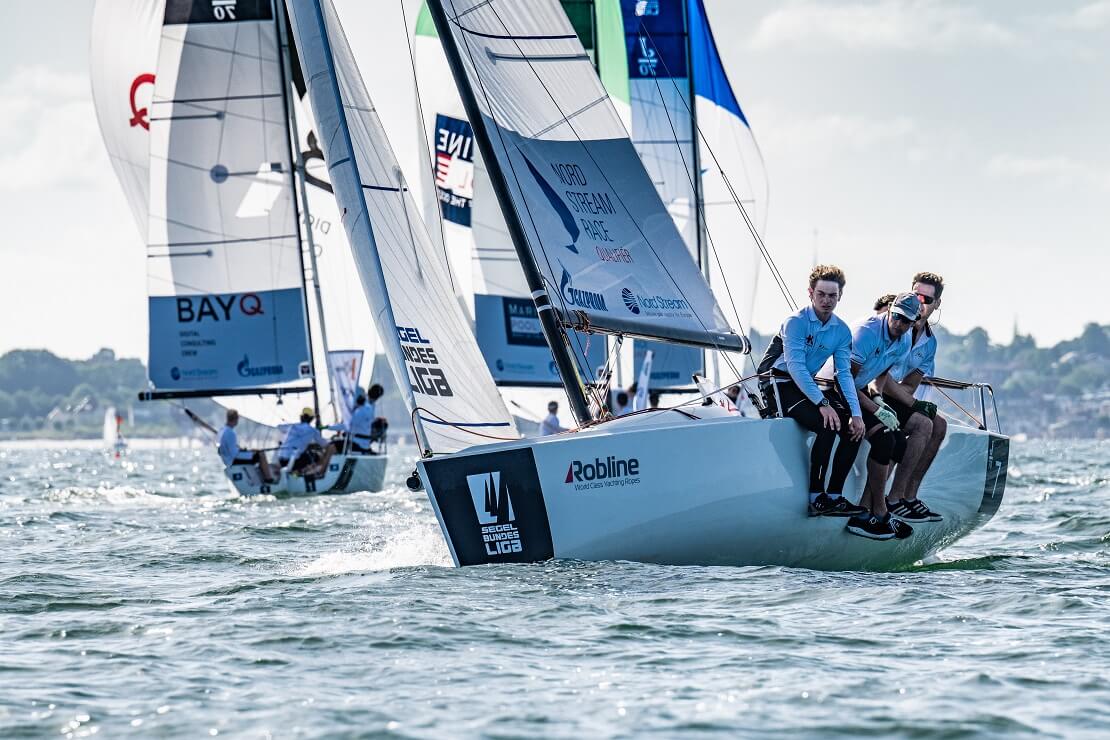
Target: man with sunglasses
[
  {"x": 929, "y": 428},
  {"x": 880, "y": 342}
]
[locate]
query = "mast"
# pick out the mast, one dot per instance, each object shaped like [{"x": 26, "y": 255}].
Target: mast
[
  {"x": 294, "y": 158},
  {"x": 553, "y": 332},
  {"x": 695, "y": 161}
]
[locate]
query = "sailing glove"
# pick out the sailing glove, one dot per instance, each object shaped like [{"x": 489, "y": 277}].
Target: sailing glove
[{"x": 886, "y": 415}]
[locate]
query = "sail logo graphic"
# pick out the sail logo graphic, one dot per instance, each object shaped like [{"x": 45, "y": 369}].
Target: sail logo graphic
[
  {"x": 140, "y": 116},
  {"x": 489, "y": 492},
  {"x": 647, "y": 7},
  {"x": 245, "y": 369},
  {"x": 217, "y": 307},
  {"x": 581, "y": 298},
  {"x": 629, "y": 299},
  {"x": 654, "y": 305},
  {"x": 454, "y": 168},
  {"x": 558, "y": 205}
]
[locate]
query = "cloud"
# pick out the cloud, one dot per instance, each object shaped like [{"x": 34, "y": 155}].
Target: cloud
[
  {"x": 823, "y": 136},
  {"x": 1057, "y": 170},
  {"x": 49, "y": 125},
  {"x": 917, "y": 25},
  {"x": 1091, "y": 17}
]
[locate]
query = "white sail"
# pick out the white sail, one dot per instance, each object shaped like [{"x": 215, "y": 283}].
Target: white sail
[
  {"x": 426, "y": 336},
  {"x": 227, "y": 306},
  {"x": 123, "y": 55},
  {"x": 595, "y": 225}
]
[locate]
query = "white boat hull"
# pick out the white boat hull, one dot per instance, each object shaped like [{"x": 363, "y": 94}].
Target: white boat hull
[
  {"x": 345, "y": 474},
  {"x": 712, "y": 491}
]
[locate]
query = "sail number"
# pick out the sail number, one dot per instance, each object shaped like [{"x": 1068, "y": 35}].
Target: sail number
[
  {"x": 224, "y": 10},
  {"x": 421, "y": 359}
]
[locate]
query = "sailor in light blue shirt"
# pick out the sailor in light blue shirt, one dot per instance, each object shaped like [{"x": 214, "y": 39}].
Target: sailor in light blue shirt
[
  {"x": 875, "y": 349},
  {"x": 807, "y": 344}
]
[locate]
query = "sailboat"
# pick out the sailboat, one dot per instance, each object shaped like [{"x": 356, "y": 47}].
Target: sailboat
[
  {"x": 687, "y": 485},
  {"x": 661, "y": 67},
  {"x": 229, "y": 268},
  {"x": 113, "y": 431}
]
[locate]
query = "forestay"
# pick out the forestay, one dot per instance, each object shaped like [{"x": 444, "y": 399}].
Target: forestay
[
  {"x": 591, "y": 216},
  {"x": 227, "y": 308},
  {"x": 425, "y": 334},
  {"x": 123, "y": 56}
]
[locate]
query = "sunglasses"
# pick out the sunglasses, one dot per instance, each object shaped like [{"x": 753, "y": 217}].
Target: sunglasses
[
  {"x": 928, "y": 300},
  {"x": 900, "y": 317}
]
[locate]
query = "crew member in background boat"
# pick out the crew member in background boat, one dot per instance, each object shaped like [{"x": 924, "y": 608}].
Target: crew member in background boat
[
  {"x": 879, "y": 343},
  {"x": 620, "y": 403},
  {"x": 807, "y": 340},
  {"x": 304, "y": 446},
  {"x": 361, "y": 429},
  {"x": 883, "y": 303},
  {"x": 732, "y": 393},
  {"x": 550, "y": 423},
  {"x": 928, "y": 428},
  {"x": 653, "y": 399},
  {"x": 227, "y": 445}
]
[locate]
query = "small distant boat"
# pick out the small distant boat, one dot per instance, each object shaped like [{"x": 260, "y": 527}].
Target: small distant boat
[{"x": 113, "y": 431}]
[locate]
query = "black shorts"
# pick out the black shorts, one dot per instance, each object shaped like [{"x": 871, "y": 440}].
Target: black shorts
[{"x": 243, "y": 458}]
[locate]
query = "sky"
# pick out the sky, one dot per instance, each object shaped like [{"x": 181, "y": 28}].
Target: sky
[{"x": 969, "y": 139}]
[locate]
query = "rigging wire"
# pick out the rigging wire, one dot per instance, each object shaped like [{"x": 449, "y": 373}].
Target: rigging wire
[
  {"x": 424, "y": 147},
  {"x": 775, "y": 273}
]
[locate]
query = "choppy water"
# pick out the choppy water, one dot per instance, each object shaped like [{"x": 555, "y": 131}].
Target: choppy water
[{"x": 138, "y": 597}]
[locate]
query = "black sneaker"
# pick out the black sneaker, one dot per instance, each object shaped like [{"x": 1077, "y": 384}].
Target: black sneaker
[
  {"x": 903, "y": 510},
  {"x": 844, "y": 507},
  {"x": 821, "y": 505},
  {"x": 922, "y": 511},
  {"x": 900, "y": 528},
  {"x": 870, "y": 527}
]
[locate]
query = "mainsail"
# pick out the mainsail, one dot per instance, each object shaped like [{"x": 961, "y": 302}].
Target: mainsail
[
  {"x": 426, "y": 336},
  {"x": 600, "y": 236},
  {"x": 227, "y": 306}
]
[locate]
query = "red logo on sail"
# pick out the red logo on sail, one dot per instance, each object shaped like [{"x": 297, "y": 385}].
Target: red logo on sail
[{"x": 139, "y": 116}]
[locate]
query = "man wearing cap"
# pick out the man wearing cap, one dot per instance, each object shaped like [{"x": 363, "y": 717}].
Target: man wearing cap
[
  {"x": 879, "y": 342},
  {"x": 930, "y": 428},
  {"x": 227, "y": 446},
  {"x": 297, "y": 440},
  {"x": 804, "y": 342}
]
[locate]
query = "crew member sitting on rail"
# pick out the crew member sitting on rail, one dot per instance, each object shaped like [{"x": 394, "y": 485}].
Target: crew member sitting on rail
[
  {"x": 550, "y": 424},
  {"x": 929, "y": 429},
  {"x": 365, "y": 427},
  {"x": 227, "y": 445},
  {"x": 807, "y": 339},
  {"x": 304, "y": 446},
  {"x": 880, "y": 342}
]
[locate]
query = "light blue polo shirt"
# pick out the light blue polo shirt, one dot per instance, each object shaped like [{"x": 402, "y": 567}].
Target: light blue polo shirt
[
  {"x": 807, "y": 344},
  {"x": 922, "y": 356},
  {"x": 874, "y": 350}
]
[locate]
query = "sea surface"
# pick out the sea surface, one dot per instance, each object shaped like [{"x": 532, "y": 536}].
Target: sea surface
[{"x": 139, "y": 598}]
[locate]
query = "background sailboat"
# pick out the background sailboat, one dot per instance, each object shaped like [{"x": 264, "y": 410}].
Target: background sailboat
[{"x": 230, "y": 312}]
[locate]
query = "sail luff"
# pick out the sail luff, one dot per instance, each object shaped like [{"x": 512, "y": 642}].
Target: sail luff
[
  {"x": 339, "y": 152},
  {"x": 545, "y": 311},
  {"x": 429, "y": 343},
  {"x": 294, "y": 158}
]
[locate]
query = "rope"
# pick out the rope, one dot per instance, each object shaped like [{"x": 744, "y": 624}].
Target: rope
[{"x": 452, "y": 424}]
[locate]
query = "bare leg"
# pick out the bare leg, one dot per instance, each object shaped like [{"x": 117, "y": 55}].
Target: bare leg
[
  {"x": 918, "y": 430},
  {"x": 873, "y": 498},
  {"x": 940, "y": 429},
  {"x": 264, "y": 467}
]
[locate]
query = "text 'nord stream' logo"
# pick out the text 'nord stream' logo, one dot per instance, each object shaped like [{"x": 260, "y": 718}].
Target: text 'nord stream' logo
[{"x": 581, "y": 298}]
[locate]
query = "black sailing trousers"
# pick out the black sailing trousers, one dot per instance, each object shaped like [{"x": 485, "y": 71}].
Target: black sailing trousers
[{"x": 805, "y": 412}]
